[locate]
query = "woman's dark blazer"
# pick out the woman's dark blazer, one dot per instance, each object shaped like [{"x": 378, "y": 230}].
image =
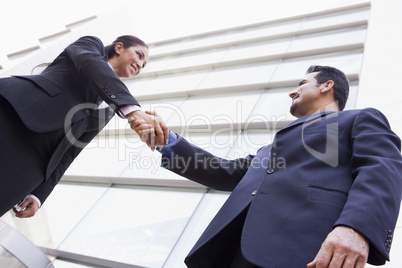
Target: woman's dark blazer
[{"x": 66, "y": 96}]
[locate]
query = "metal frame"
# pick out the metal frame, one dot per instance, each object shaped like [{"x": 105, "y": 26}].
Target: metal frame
[{"x": 21, "y": 248}]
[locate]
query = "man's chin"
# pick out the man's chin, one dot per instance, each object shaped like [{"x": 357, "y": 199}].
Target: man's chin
[{"x": 292, "y": 110}]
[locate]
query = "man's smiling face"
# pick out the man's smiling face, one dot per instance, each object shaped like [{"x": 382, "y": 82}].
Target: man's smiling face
[{"x": 305, "y": 98}]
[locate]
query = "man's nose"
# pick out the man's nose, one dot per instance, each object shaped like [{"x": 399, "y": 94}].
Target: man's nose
[{"x": 293, "y": 93}]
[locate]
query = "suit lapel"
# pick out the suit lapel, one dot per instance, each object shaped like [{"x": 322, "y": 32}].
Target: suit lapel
[{"x": 306, "y": 119}]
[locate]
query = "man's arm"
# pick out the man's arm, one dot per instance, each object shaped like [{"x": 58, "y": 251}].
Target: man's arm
[{"x": 197, "y": 164}]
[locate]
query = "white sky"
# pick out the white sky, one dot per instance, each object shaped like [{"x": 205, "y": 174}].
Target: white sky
[{"x": 24, "y": 21}]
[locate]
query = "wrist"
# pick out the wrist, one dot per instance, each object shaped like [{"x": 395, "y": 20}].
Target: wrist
[{"x": 130, "y": 110}]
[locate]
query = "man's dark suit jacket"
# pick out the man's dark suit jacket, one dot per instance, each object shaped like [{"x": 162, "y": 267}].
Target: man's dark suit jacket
[
  {"x": 65, "y": 96},
  {"x": 321, "y": 171}
]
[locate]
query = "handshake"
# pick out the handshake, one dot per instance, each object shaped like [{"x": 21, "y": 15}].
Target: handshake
[{"x": 150, "y": 127}]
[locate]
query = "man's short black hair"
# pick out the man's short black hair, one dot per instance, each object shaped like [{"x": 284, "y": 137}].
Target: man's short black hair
[{"x": 341, "y": 82}]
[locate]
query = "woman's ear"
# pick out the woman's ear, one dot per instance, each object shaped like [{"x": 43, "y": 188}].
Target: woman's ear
[{"x": 118, "y": 47}]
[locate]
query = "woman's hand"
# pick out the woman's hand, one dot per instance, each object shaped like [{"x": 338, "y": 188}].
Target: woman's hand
[
  {"x": 26, "y": 208},
  {"x": 150, "y": 127}
]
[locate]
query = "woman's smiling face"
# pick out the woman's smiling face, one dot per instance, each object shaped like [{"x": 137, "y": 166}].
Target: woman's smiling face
[{"x": 129, "y": 61}]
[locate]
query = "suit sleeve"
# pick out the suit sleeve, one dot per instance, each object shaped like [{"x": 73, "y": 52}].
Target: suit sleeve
[
  {"x": 200, "y": 166},
  {"x": 94, "y": 127},
  {"x": 89, "y": 57},
  {"x": 374, "y": 199}
]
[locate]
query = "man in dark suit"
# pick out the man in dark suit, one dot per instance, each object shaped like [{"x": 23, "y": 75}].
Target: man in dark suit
[
  {"x": 326, "y": 191},
  {"x": 48, "y": 119}
]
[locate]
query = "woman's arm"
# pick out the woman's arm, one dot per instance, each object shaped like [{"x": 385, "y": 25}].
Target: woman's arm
[{"x": 89, "y": 58}]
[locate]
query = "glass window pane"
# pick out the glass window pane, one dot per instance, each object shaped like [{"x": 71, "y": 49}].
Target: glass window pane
[
  {"x": 156, "y": 64},
  {"x": 166, "y": 84},
  {"x": 137, "y": 83},
  {"x": 197, "y": 42},
  {"x": 329, "y": 39},
  {"x": 169, "y": 47},
  {"x": 237, "y": 76},
  {"x": 150, "y": 221},
  {"x": 273, "y": 107},
  {"x": 66, "y": 264},
  {"x": 146, "y": 164},
  {"x": 254, "y": 50},
  {"x": 353, "y": 90},
  {"x": 9, "y": 260},
  {"x": 106, "y": 156},
  {"x": 188, "y": 60},
  {"x": 335, "y": 18},
  {"x": 215, "y": 109},
  {"x": 290, "y": 69},
  {"x": 62, "y": 211},
  {"x": 216, "y": 39},
  {"x": 206, "y": 210},
  {"x": 272, "y": 29}
]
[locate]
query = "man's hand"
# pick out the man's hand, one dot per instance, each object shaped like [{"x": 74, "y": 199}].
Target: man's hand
[
  {"x": 150, "y": 127},
  {"x": 343, "y": 247},
  {"x": 26, "y": 208}
]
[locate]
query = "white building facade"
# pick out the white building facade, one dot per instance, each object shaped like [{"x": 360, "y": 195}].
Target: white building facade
[{"x": 225, "y": 91}]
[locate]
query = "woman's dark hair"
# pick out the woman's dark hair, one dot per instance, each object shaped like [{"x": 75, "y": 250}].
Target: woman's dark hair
[
  {"x": 127, "y": 40},
  {"x": 341, "y": 82}
]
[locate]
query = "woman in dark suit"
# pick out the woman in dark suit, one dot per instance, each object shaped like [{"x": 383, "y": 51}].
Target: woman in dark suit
[{"x": 47, "y": 119}]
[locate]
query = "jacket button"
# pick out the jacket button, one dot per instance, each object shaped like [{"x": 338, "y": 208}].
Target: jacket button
[
  {"x": 254, "y": 193},
  {"x": 270, "y": 170},
  {"x": 387, "y": 247}
]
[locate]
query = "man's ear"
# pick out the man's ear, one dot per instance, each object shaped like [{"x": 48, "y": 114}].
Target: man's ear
[{"x": 327, "y": 86}]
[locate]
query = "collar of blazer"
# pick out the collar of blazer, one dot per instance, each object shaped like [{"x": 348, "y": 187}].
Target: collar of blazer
[{"x": 307, "y": 119}]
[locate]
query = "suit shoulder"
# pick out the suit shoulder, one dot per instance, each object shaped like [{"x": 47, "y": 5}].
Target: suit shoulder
[
  {"x": 367, "y": 115},
  {"x": 90, "y": 38},
  {"x": 88, "y": 41},
  {"x": 373, "y": 112},
  {"x": 85, "y": 44},
  {"x": 364, "y": 111}
]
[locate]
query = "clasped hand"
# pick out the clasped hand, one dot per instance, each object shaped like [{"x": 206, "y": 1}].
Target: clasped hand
[{"x": 150, "y": 128}]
